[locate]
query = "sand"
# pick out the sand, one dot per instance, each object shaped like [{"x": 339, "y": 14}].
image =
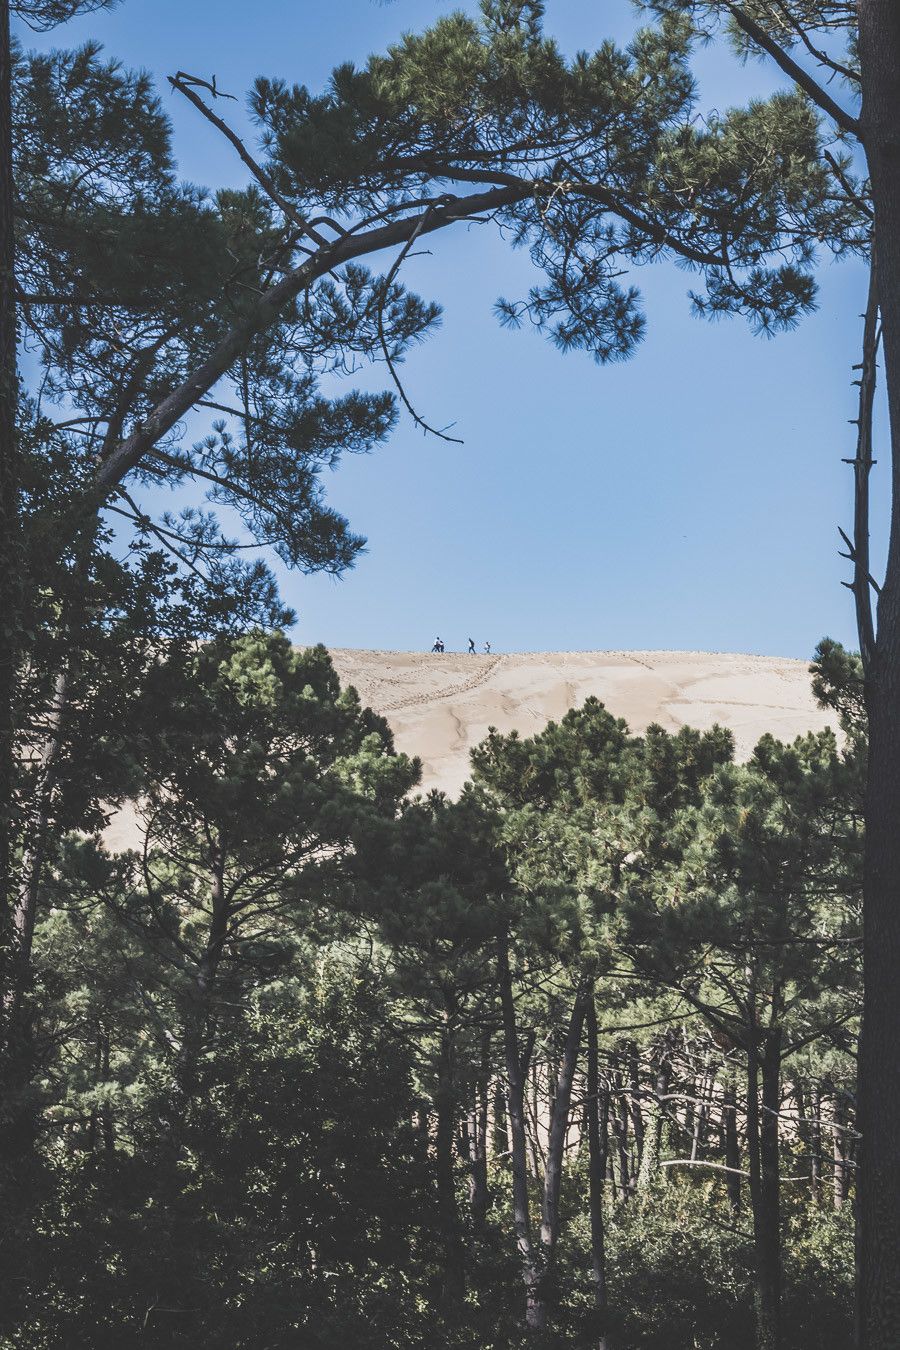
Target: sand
[{"x": 440, "y": 706}]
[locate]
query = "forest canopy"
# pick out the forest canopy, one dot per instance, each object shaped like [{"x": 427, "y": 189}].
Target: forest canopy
[{"x": 322, "y": 1059}]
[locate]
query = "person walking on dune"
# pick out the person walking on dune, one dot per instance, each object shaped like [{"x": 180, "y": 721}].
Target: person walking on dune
[
  {"x": 438, "y": 645},
  {"x": 471, "y": 647},
  {"x": 487, "y": 649}
]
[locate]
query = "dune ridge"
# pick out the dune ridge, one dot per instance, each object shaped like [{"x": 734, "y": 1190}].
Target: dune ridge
[{"x": 440, "y": 706}]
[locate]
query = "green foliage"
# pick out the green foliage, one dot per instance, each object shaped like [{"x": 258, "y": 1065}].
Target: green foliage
[{"x": 265, "y": 1235}]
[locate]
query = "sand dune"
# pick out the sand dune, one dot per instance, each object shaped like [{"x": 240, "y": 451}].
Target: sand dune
[{"x": 440, "y": 706}]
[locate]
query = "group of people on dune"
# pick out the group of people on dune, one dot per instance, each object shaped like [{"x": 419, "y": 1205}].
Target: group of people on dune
[{"x": 439, "y": 647}]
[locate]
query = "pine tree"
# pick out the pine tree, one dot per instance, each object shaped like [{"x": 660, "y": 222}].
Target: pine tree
[{"x": 753, "y": 921}]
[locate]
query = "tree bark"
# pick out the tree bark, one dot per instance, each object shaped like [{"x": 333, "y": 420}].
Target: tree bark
[
  {"x": 732, "y": 1145},
  {"x": 453, "y": 1288},
  {"x": 650, "y": 1170},
  {"x": 10, "y": 551},
  {"x": 879, "y": 1057},
  {"x": 479, "y": 1191},
  {"x": 597, "y": 1112},
  {"x": 762, "y": 1147},
  {"x": 620, "y": 1135},
  {"x": 556, "y": 1144},
  {"x": 197, "y": 1013},
  {"x": 637, "y": 1115},
  {"x": 535, "y": 1307}
]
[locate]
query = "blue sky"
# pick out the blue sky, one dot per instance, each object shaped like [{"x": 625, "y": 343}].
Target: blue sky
[{"x": 688, "y": 498}]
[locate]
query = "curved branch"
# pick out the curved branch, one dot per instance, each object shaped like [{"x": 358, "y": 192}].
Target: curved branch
[{"x": 388, "y": 282}]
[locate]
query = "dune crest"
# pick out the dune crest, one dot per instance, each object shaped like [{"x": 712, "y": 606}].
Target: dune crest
[{"x": 439, "y": 706}]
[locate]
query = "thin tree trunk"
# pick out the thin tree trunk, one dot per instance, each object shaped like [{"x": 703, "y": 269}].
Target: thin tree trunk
[
  {"x": 637, "y": 1114},
  {"x": 732, "y": 1144},
  {"x": 556, "y": 1144},
  {"x": 106, "y": 1115},
  {"x": 707, "y": 1085},
  {"x": 197, "y": 1012},
  {"x": 499, "y": 1132},
  {"x": 25, "y": 913},
  {"x": 479, "y": 1192},
  {"x": 879, "y": 1056},
  {"x": 535, "y": 1308},
  {"x": 454, "y": 1282},
  {"x": 762, "y": 1147},
  {"x": 650, "y": 1170},
  {"x": 620, "y": 1134},
  {"x": 815, "y": 1142},
  {"x": 597, "y": 1114},
  {"x": 839, "y": 1152}
]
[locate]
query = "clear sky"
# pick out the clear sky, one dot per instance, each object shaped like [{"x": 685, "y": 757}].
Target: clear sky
[{"x": 688, "y": 498}]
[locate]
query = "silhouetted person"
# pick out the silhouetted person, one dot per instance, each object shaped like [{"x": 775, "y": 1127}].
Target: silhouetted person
[
  {"x": 471, "y": 647},
  {"x": 438, "y": 645},
  {"x": 487, "y": 649}
]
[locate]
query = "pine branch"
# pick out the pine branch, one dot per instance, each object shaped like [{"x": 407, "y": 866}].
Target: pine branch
[
  {"x": 267, "y": 309},
  {"x": 388, "y": 282},
  {"x": 790, "y": 67},
  {"x": 183, "y": 82}
]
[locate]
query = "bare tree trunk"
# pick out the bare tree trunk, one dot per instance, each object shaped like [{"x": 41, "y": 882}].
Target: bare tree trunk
[
  {"x": 196, "y": 1021},
  {"x": 556, "y": 1143},
  {"x": 499, "y": 1132},
  {"x": 10, "y": 550},
  {"x": 637, "y": 1115},
  {"x": 698, "y": 1135},
  {"x": 454, "y": 1282},
  {"x": 762, "y": 1147},
  {"x": 840, "y": 1151},
  {"x": 879, "y": 1056},
  {"x": 816, "y": 1141},
  {"x": 650, "y": 1169},
  {"x": 36, "y": 831},
  {"x": 732, "y": 1145},
  {"x": 620, "y": 1134},
  {"x": 597, "y": 1113},
  {"x": 479, "y": 1192},
  {"x": 535, "y": 1307},
  {"x": 106, "y": 1115}
]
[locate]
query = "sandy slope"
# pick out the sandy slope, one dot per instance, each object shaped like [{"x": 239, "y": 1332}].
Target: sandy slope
[{"x": 440, "y": 706}]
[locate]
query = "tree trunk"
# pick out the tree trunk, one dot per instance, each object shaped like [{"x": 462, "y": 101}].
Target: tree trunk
[
  {"x": 597, "y": 1113},
  {"x": 453, "y": 1288},
  {"x": 762, "y": 1147},
  {"x": 732, "y": 1145},
  {"x": 499, "y": 1133},
  {"x": 197, "y": 1013},
  {"x": 620, "y": 1134},
  {"x": 879, "y": 1056},
  {"x": 637, "y": 1115},
  {"x": 815, "y": 1142},
  {"x": 556, "y": 1145},
  {"x": 106, "y": 1115},
  {"x": 535, "y": 1307},
  {"x": 840, "y": 1151},
  {"x": 10, "y": 551},
  {"x": 650, "y": 1170},
  {"x": 704, "y": 1093},
  {"x": 479, "y": 1192}
]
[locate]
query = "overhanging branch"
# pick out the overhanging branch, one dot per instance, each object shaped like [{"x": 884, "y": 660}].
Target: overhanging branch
[{"x": 790, "y": 67}]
